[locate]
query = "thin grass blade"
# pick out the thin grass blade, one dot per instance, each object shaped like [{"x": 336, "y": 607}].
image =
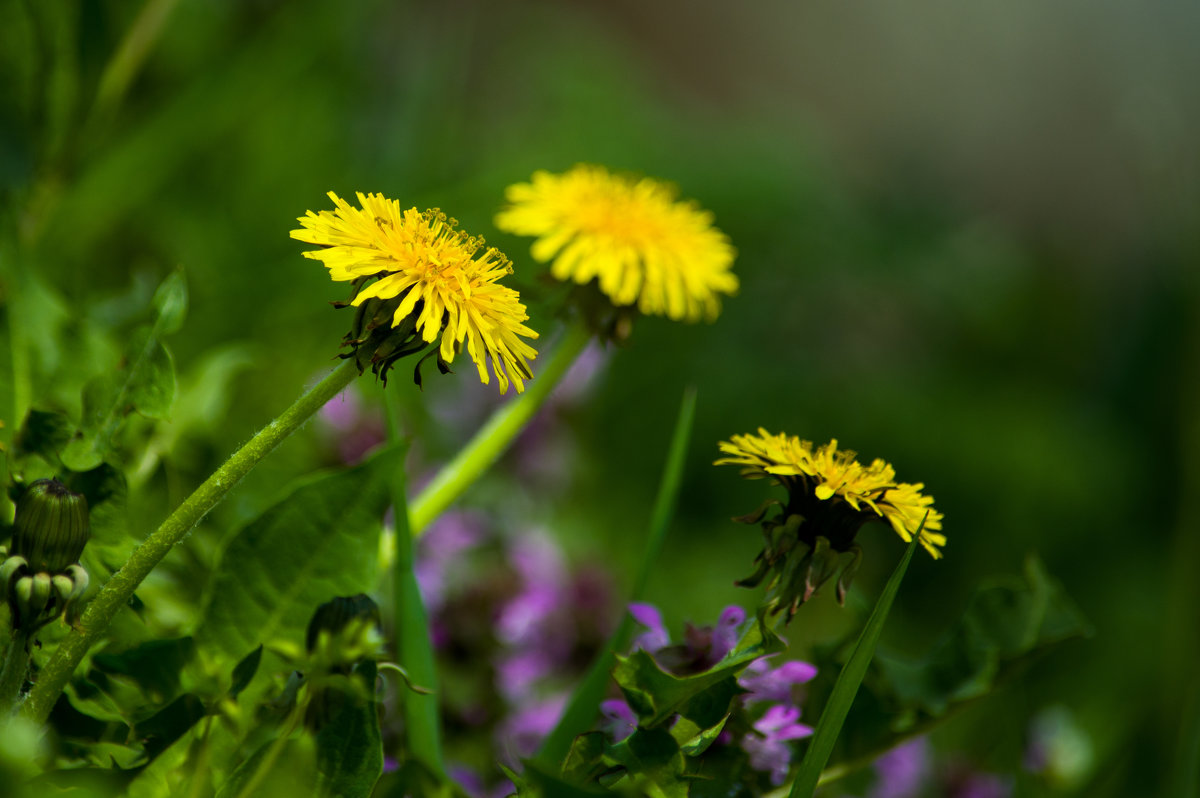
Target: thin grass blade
[
  {"x": 585, "y": 701},
  {"x": 846, "y": 688},
  {"x": 414, "y": 648}
]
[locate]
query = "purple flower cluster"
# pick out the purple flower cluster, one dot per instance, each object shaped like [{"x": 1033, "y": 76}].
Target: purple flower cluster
[
  {"x": 514, "y": 605},
  {"x": 350, "y": 426},
  {"x": 775, "y": 687},
  {"x": 908, "y": 771}
]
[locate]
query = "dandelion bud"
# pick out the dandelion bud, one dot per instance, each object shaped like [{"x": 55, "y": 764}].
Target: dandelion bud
[
  {"x": 333, "y": 617},
  {"x": 51, "y": 526},
  {"x": 342, "y": 640}
]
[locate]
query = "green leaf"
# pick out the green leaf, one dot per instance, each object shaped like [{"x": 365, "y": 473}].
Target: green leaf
[
  {"x": 171, "y": 302},
  {"x": 584, "y": 704},
  {"x": 1004, "y": 622},
  {"x": 654, "y": 763},
  {"x": 111, "y": 540},
  {"x": 162, "y": 729},
  {"x": 146, "y": 383},
  {"x": 150, "y": 387},
  {"x": 846, "y": 688},
  {"x": 155, "y": 665},
  {"x": 43, "y": 434},
  {"x": 321, "y": 541},
  {"x": 349, "y": 746},
  {"x": 655, "y": 695},
  {"x": 539, "y": 781},
  {"x": 244, "y": 671}
]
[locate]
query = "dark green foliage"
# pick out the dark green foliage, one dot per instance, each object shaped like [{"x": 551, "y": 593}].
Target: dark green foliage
[
  {"x": 321, "y": 541},
  {"x": 656, "y": 695},
  {"x": 244, "y": 671},
  {"x": 349, "y": 748}
]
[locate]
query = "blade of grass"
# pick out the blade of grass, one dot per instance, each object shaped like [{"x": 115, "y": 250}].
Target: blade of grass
[
  {"x": 846, "y": 688},
  {"x": 585, "y": 701},
  {"x": 414, "y": 648}
]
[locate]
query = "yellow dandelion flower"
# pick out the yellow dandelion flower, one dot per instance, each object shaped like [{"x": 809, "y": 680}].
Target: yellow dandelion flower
[
  {"x": 823, "y": 481},
  {"x": 632, "y": 236},
  {"x": 416, "y": 270}
]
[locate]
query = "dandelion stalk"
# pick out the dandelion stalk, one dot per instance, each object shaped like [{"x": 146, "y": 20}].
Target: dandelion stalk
[
  {"x": 117, "y": 592},
  {"x": 16, "y": 665},
  {"x": 491, "y": 441}
]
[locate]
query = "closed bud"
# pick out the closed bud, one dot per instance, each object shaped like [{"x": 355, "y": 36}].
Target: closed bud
[
  {"x": 333, "y": 617},
  {"x": 51, "y": 527}
]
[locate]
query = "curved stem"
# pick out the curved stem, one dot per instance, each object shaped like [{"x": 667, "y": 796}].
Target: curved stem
[
  {"x": 491, "y": 441},
  {"x": 117, "y": 591},
  {"x": 16, "y": 665}
]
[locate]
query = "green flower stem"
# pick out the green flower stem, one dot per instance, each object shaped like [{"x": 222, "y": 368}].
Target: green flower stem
[
  {"x": 119, "y": 589},
  {"x": 16, "y": 665},
  {"x": 491, "y": 441},
  {"x": 414, "y": 647}
]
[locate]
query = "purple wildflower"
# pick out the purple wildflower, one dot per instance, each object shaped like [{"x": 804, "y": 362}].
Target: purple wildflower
[
  {"x": 351, "y": 428},
  {"x": 472, "y": 783},
  {"x": 774, "y": 685},
  {"x": 519, "y": 673},
  {"x": 523, "y": 731},
  {"x": 439, "y": 551},
  {"x": 619, "y": 720},
  {"x": 903, "y": 771},
  {"x": 768, "y": 747},
  {"x": 727, "y": 631},
  {"x": 655, "y": 637}
]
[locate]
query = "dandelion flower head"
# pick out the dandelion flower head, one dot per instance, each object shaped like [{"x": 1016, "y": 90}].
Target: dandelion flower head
[
  {"x": 819, "y": 475},
  {"x": 435, "y": 271},
  {"x": 631, "y": 235}
]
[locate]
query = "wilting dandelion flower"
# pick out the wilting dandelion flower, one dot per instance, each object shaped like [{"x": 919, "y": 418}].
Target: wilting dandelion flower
[
  {"x": 830, "y": 496},
  {"x": 417, "y": 277},
  {"x": 641, "y": 245}
]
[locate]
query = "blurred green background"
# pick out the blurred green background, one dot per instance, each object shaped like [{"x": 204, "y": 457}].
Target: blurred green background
[{"x": 967, "y": 244}]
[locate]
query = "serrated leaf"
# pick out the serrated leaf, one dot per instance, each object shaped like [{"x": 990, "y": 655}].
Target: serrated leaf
[
  {"x": 321, "y": 541},
  {"x": 655, "y": 695}
]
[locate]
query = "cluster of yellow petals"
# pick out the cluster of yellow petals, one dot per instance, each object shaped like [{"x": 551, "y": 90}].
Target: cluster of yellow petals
[
  {"x": 423, "y": 258},
  {"x": 631, "y": 235},
  {"x": 833, "y": 472}
]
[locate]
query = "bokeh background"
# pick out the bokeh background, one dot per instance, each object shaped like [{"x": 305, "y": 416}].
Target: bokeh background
[{"x": 967, "y": 243}]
